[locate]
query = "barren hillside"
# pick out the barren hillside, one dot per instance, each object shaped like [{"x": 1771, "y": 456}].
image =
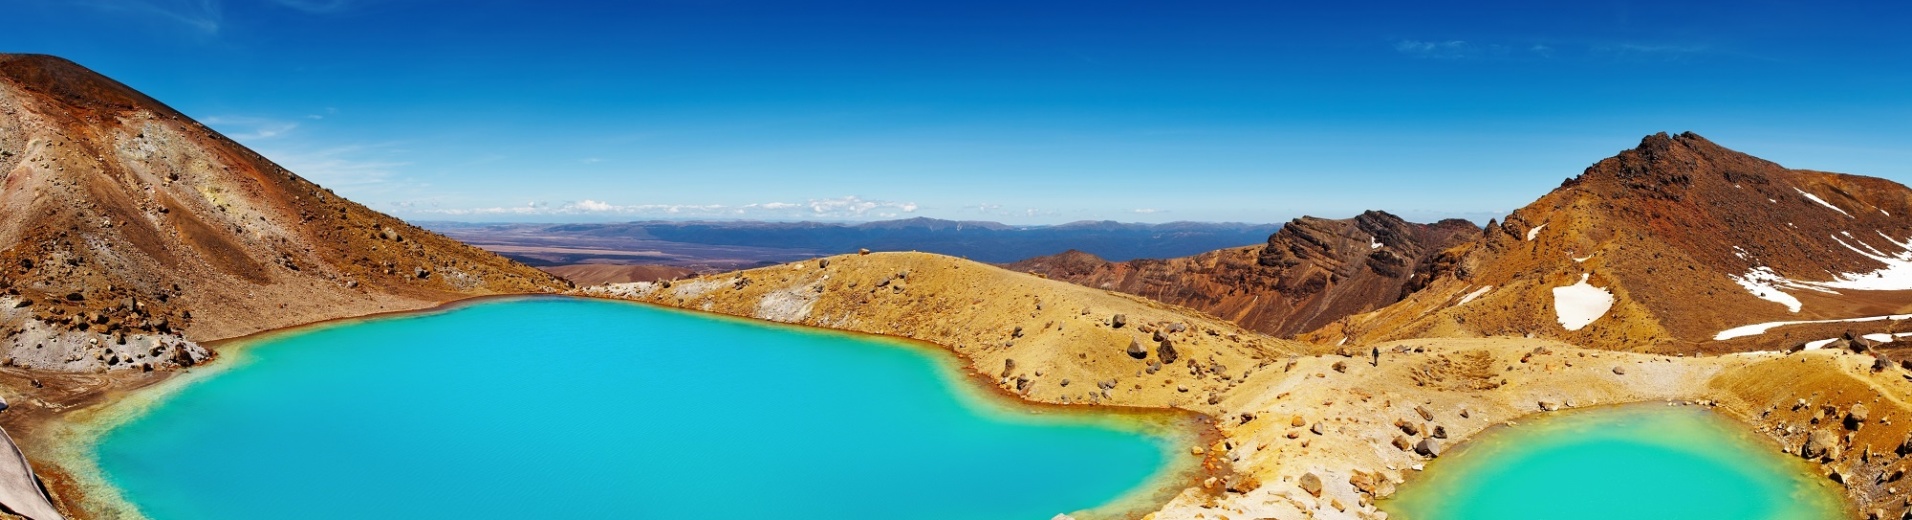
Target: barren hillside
[{"x": 133, "y": 232}]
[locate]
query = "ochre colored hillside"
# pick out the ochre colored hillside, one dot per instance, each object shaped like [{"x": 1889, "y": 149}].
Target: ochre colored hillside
[
  {"x": 133, "y": 232},
  {"x": 1044, "y": 339},
  {"x": 1690, "y": 240}
]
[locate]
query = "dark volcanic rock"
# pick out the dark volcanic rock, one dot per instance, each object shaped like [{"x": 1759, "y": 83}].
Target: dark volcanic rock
[{"x": 1310, "y": 273}]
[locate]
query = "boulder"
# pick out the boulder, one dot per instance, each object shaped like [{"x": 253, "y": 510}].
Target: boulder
[
  {"x": 1311, "y": 483},
  {"x": 1856, "y": 416},
  {"x": 1619, "y": 371},
  {"x": 1136, "y": 351},
  {"x": 1425, "y": 414},
  {"x": 1428, "y": 447},
  {"x": 1401, "y": 443},
  {"x": 1407, "y": 427},
  {"x": 1820, "y": 444},
  {"x": 1119, "y": 320},
  {"x": 1166, "y": 351}
]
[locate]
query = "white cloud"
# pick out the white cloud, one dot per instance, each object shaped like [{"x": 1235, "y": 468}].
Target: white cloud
[
  {"x": 316, "y": 6},
  {"x": 339, "y": 167},
  {"x": 1435, "y": 49},
  {"x": 245, "y": 128},
  {"x": 849, "y": 207},
  {"x": 200, "y": 15},
  {"x": 1148, "y": 211}
]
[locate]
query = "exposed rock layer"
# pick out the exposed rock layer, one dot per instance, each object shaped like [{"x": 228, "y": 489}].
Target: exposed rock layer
[{"x": 1310, "y": 273}]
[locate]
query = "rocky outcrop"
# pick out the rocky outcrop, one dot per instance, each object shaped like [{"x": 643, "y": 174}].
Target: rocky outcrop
[
  {"x": 1312, "y": 272},
  {"x": 134, "y": 233},
  {"x": 1830, "y": 408}
]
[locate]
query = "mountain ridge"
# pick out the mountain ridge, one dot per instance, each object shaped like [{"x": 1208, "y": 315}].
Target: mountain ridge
[
  {"x": 1310, "y": 272},
  {"x": 140, "y": 233},
  {"x": 1688, "y": 238}
]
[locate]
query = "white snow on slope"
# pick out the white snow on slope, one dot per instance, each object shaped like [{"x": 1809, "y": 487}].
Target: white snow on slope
[
  {"x": 1476, "y": 294},
  {"x": 1885, "y": 337},
  {"x": 1578, "y": 305},
  {"x": 1372, "y": 243},
  {"x": 1819, "y": 344},
  {"x": 1531, "y": 233},
  {"x": 1895, "y": 275},
  {"x": 1764, "y": 283},
  {"x": 1761, "y": 328},
  {"x": 1879, "y": 337},
  {"x": 1822, "y": 202}
]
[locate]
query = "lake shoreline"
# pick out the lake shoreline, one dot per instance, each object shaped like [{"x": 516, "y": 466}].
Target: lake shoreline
[
  {"x": 1462, "y": 464},
  {"x": 65, "y": 443}
]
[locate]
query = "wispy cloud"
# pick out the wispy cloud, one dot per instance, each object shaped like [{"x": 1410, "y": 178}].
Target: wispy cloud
[
  {"x": 1148, "y": 211},
  {"x": 1448, "y": 49},
  {"x": 1651, "y": 51},
  {"x": 204, "y": 16},
  {"x": 1455, "y": 49},
  {"x": 849, "y": 207},
  {"x": 245, "y": 128},
  {"x": 318, "y": 6},
  {"x": 355, "y": 167},
  {"x": 199, "y": 15}
]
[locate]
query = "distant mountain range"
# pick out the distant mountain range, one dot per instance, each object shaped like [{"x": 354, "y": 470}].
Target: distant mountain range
[{"x": 733, "y": 244}]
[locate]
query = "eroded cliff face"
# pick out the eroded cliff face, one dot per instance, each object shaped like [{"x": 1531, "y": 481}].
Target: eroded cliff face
[
  {"x": 132, "y": 233},
  {"x": 1667, "y": 246},
  {"x": 1311, "y": 273}
]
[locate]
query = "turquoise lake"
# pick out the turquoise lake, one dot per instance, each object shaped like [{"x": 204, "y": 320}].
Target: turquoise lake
[
  {"x": 572, "y": 408},
  {"x": 1642, "y": 462}
]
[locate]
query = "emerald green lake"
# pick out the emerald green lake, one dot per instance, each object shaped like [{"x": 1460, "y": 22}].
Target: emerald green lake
[
  {"x": 573, "y": 408},
  {"x": 1642, "y": 462}
]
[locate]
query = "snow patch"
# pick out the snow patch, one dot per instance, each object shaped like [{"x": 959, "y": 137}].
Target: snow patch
[
  {"x": 1582, "y": 259},
  {"x": 1578, "y": 305},
  {"x": 1896, "y": 275},
  {"x": 1819, "y": 344},
  {"x": 1764, "y": 283},
  {"x": 1884, "y": 337},
  {"x": 1372, "y": 243},
  {"x": 1761, "y": 328},
  {"x": 1531, "y": 233},
  {"x": 1476, "y": 294},
  {"x": 1822, "y": 202}
]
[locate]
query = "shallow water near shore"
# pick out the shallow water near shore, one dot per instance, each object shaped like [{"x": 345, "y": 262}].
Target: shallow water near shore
[
  {"x": 571, "y": 408},
  {"x": 1635, "y": 462}
]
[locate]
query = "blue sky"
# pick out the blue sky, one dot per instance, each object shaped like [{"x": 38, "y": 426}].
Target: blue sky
[{"x": 1021, "y": 111}]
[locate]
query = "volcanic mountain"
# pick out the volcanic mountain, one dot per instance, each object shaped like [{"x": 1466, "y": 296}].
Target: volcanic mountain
[
  {"x": 1677, "y": 245},
  {"x": 133, "y": 232},
  {"x": 1310, "y": 273}
]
